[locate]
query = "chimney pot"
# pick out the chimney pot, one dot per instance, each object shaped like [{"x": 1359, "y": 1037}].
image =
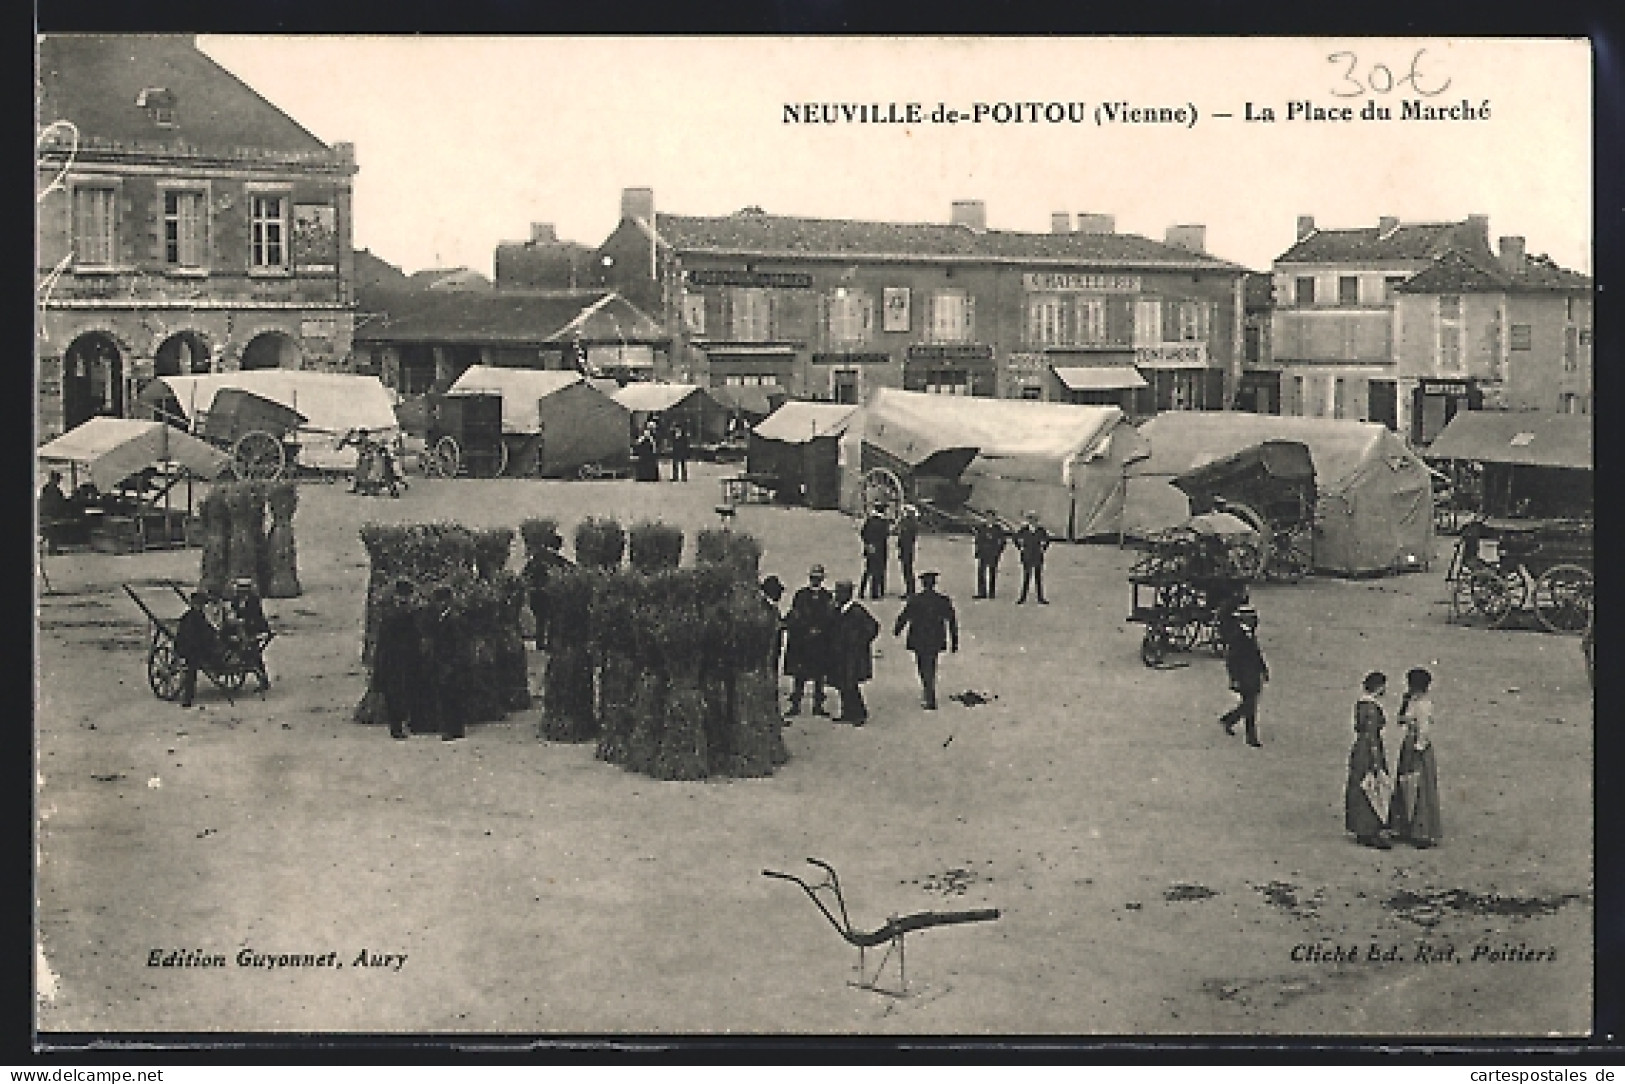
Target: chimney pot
[
  {"x": 1512, "y": 254},
  {"x": 542, "y": 233},
  {"x": 1189, "y": 238},
  {"x": 971, "y": 213},
  {"x": 1060, "y": 222},
  {"x": 1093, "y": 223},
  {"x": 638, "y": 203},
  {"x": 1306, "y": 226}
]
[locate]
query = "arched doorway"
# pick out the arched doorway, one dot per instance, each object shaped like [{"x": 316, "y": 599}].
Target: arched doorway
[
  {"x": 271, "y": 350},
  {"x": 92, "y": 379},
  {"x": 182, "y": 353}
]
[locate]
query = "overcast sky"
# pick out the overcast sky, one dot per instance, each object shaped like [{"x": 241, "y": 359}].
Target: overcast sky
[{"x": 463, "y": 142}]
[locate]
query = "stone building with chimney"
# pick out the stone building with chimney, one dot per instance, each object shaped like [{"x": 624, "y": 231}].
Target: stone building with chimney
[
  {"x": 828, "y": 309},
  {"x": 185, "y": 224}
]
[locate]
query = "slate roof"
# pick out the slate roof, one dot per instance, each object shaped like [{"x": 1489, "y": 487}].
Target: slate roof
[
  {"x": 755, "y": 233},
  {"x": 1407, "y": 241},
  {"x": 94, "y": 81},
  {"x": 513, "y": 317},
  {"x": 1458, "y": 273}
]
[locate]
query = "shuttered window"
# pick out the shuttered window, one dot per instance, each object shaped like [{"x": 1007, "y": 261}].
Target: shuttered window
[
  {"x": 95, "y": 221},
  {"x": 185, "y": 229},
  {"x": 953, "y": 317}
]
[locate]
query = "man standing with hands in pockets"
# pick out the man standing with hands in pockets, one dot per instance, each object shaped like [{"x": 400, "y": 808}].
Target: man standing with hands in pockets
[{"x": 932, "y": 627}]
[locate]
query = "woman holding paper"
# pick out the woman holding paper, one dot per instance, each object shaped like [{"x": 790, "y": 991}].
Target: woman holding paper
[
  {"x": 1368, "y": 794},
  {"x": 1414, "y": 811}
]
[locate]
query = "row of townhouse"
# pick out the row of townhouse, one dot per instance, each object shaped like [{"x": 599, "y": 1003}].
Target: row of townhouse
[{"x": 831, "y": 308}]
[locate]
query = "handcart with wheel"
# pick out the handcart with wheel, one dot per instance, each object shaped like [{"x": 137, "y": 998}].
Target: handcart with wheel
[
  {"x": 1179, "y": 589},
  {"x": 464, "y": 436},
  {"x": 229, "y": 667},
  {"x": 1271, "y": 486},
  {"x": 260, "y": 434},
  {"x": 1502, "y": 567}
]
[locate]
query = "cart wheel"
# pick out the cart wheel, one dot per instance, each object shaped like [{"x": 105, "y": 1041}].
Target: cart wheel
[
  {"x": 1563, "y": 598},
  {"x": 882, "y": 486},
  {"x": 1293, "y": 556},
  {"x": 1494, "y": 596},
  {"x": 164, "y": 670},
  {"x": 449, "y": 454},
  {"x": 259, "y": 457},
  {"x": 1247, "y": 559},
  {"x": 1153, "y": 646}
]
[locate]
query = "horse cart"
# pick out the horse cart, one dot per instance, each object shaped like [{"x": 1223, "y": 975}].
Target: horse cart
[
  {"x": 1180, "y": 588},
  {"x": 464, "y": 437},
  {"x": 260, "y": 434},
  {"x": 1503, "y": 567},
  {"x": 1270, "y": 486},
  {"x": 228, "y": 666}
]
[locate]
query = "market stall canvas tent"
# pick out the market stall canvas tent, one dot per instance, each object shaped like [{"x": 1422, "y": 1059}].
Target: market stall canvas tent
[
  {"x": 1374, "y": 500},
  {"x": 1543, "y": 462},
  {"x": 107, "y": 451},
  {"x": 690, "y": 404},
  {"x": 799, "y": 444},
  {"x": 1066, "y": 462},
  {"x": 555, "y": 421}
]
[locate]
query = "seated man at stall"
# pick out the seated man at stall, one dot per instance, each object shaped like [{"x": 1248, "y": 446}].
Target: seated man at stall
[{"x": 56, "y": 512}]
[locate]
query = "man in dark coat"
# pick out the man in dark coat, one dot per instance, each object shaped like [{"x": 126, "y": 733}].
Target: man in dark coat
[
  {"x": 679, "y": 454},
  {"x": 1031, "y": 542},
  {"x": 853, "y": 631},
  {"x": 540, "y": 567},
  {"x": 399, "y": 666},
  {"x": 806, "y": 647},
  {"x": 1244, "y": 663},
  {"x": 932, "y": 627},
  {"x": 197, "y": 644},
  {"x": 990, "y": 543},
  {"x": 875, "y": 531},
  {"x": 908, "y": 534}
]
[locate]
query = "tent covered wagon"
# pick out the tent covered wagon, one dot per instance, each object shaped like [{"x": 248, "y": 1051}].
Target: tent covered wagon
[
  {"x": 795, "y": 452},
  {"x": 555, "y": 423},
  {"x": 1005, "y": 456},
  {"x": 1373, "y": 495},
  {"x": 689, "y": 405},
  {"x": 123, "y": 473},
  {"x": 330, "y": 406}
]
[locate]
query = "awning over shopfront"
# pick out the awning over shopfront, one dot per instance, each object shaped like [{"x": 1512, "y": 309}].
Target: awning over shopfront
[{"x": 1098, "y": 377}]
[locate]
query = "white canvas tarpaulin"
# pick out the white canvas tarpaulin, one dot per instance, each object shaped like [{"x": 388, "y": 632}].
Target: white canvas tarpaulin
[
  {"x": 798, "y": 422},
  {"x": 1375, "y": 502},
  {"x": 332, "y": 403},
  {"x": 557, "y": 421},
  {"x": 522, "y": 391},
  {"x": 109, "y": 450},
  {"x": 1062, "y": 461}
]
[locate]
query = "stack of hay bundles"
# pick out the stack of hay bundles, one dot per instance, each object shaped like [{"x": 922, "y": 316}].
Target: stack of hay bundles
[
  {"x": 239, "y": 544},
  {"x": 683, "y": 687},
  {"x": 467, "y": 603}
]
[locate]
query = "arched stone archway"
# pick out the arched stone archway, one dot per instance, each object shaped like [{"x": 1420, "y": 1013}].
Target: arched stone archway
[
  {"x": 272, "y": 350},
  {"x": 181, "y": 354},
  {"x": 92, "y": 379}
]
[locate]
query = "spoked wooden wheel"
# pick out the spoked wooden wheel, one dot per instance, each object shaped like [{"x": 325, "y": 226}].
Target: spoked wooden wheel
[
  {"x": 882, "y": 493},
  {"x": 1488, "y": 595},
  {"x": 1563, "y": 598},
  {"x": 1247, "y": 557},
  {"x": 258, "y": 457},
  {"x": 164, "y": 670}
]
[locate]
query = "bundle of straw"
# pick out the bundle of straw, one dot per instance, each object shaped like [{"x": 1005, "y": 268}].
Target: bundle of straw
[
  {"x": 245, "y": 508},
  {"x": 280, "y": 565},
  {"x": 216, "y": 530}
]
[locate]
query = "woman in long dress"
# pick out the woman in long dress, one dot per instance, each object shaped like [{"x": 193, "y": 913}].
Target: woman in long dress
[
  {"x": 1367, "y": 757},
  {"x": 1414, "y": 814}
]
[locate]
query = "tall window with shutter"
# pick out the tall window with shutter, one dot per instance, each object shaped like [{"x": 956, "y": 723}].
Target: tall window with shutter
[
  {"x": 1190, "y": 321},
  {"x": 1450, "y": 333},
  {"x": 268, "y": 232},
  {"x": 850, "y": 318},
  {"x": 953, "y": 317},
  {"x": 1147, "y": 322},
  {"x": 751, "y": 312},
  {"x": 95, "y": 225},
  {"x": 185, "y": 229}
]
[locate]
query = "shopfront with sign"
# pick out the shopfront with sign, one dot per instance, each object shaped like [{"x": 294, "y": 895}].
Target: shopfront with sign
[
  {"x": 1435, "y": 402},
  {"x": 951, "y": 369}
]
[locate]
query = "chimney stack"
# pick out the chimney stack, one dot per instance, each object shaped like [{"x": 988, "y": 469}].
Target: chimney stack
[
  {"x": 1306, "y": 226},
  {"x": 1478, "y": 226},
  {"x": 638, "y": 203},
  {"x": 1060, "y": 222},
  {"x": 1189, "y": 238},
  {"x": 1512, "y": 255},
  {"x": 1387, "y": 224},
  {"x": 971, "y": 213},
  {"x": 542, "y": 233},
  {"x": 1093, "y": 223}
]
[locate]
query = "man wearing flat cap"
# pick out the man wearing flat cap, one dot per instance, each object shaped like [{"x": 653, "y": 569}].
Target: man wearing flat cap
[
  {"x": 806, "y": 648},
  {"x": 932, "y": 627}
]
